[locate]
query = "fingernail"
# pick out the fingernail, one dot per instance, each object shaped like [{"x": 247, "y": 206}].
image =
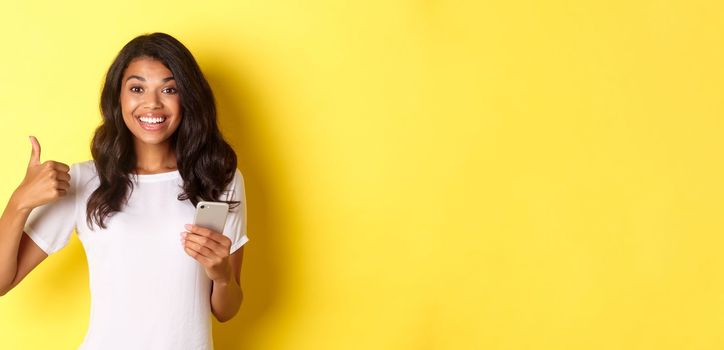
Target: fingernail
[
  {"x": 183, "y": 234},
  {"x": 187, "y": 226}
]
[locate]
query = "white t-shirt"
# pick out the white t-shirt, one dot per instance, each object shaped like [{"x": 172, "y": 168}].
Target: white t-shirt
[{"x": 146, "y": 292}]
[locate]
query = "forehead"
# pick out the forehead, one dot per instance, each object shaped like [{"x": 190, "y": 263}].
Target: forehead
[{"x": 147, "y": 68}]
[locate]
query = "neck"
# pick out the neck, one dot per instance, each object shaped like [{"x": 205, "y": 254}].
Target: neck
[{"x": 153, "y": 159}]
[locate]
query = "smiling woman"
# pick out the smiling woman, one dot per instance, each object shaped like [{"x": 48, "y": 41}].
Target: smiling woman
[
  {"x": 157, "y": 154},
  {"x": 150, "y": 103}
]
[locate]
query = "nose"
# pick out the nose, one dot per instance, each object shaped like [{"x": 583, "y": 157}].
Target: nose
[{"x": 153, "y": 101}]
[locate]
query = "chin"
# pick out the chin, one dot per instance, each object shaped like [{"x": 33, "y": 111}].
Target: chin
[{"x": 154, "y": 141}]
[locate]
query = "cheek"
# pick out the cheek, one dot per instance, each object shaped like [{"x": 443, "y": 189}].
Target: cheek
[
  {"x": 128, "y": 103},
  {"x": 172, "y": 103}
]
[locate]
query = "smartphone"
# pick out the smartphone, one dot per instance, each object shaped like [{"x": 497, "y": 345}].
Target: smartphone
[{"x": 211, "y": 215}]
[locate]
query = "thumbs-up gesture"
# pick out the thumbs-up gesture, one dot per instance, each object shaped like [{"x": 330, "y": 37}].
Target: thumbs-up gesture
[{"x": 43, "y": 182}]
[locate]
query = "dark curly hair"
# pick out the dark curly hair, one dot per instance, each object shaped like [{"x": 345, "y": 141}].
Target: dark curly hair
[{"x": 204, "y": 159}]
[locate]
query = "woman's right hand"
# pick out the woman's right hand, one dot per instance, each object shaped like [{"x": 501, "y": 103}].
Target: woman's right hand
[{"x": 43, "y": 183}]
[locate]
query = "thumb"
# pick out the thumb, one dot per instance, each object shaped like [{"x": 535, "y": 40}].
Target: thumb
[{"x": 35, "y": 155}]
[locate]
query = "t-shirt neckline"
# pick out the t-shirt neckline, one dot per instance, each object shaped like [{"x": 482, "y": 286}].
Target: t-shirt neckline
[{"x": 157, "y": 177}]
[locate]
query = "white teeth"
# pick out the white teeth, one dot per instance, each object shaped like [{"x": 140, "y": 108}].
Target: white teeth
[{"x": 152, "y": 120}]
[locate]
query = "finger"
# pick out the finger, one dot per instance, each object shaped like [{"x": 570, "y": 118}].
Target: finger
[
  {"x": 59, "y": 166},
  {"x": 63, "y": 185},
  {"x": 62, "y": 176},
  {"x": 202, "y": 249},
  {"x": 216, "y": 247},
  {"x": 35, "y": 153},
  {"x": 198, "y": 256},
  {"x": 203, "y": 231}
]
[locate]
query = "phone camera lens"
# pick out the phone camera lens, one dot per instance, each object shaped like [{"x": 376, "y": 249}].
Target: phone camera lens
[{"x": 202, "y": 207}]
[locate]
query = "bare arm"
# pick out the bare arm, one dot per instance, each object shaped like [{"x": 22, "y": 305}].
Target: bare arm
[
  {"x": 29, "y": 256},
  {"x": 226, "y": 295},
  {"x": 43, "y": 183},
  {"x": 212, "y": 249},
  {"x": 11, "y": 231}
]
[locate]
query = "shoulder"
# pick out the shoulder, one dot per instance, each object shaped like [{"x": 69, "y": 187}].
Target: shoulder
[
  {"x": 83, "y": 172},
  {"x": 85, "y": 166},
  {"x": 235, "y": 186},
  {"x": 236, "y": 181}
]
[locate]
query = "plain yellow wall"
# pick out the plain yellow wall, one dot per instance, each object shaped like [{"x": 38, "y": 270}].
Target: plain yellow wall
[{"x": 420, "y": 174}]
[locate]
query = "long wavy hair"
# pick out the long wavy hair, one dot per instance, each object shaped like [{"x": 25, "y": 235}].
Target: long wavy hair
[{"x": 204, "y": 159}]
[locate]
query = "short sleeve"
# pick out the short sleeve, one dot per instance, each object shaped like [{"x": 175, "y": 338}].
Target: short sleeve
[
  {"x": 235, "y": 227},
  {"x": 50, "y": 225}
]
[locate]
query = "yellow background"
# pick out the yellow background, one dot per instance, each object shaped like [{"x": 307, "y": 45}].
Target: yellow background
[{"x": 420, "y": 174}]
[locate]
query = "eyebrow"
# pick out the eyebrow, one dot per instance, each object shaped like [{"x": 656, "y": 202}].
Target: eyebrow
[{"x": 143, "y": 79}]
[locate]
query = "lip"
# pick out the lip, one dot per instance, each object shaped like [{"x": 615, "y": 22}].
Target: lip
[{"x": 152, "y": 127}]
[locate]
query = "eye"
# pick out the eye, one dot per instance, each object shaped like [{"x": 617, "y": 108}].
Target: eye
[
  {"x": 170, "y": 90},
  {"x": 136, "y": 89}
]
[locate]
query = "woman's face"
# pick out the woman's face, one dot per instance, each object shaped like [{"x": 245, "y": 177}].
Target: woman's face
[{"x": 150, "y": 102}]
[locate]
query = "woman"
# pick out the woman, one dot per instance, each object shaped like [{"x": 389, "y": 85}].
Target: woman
[{"x": 157, "y": 153}]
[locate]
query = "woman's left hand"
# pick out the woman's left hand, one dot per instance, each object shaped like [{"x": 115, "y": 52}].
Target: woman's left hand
[{"x": 209, "y": 248}]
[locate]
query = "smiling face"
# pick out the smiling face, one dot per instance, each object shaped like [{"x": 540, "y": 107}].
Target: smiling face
[{"x": 150, "y": 102}]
